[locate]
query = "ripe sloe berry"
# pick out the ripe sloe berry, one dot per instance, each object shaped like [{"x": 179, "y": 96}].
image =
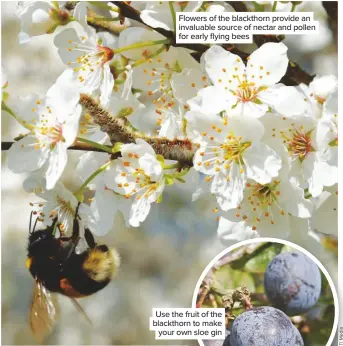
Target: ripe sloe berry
[
  {"x": 298, "y": 339},
  {"x": 292, "y": 283},
  {"x": 263, "y": 326}
]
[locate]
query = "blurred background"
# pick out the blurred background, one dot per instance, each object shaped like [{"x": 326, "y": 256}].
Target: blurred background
[{"x": 161, "y": 260}]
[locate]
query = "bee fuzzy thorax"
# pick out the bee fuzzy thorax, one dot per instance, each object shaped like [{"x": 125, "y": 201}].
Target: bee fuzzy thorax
[
  {"x": 117, "y": 260},
  {"x": 101, "y": 263}
]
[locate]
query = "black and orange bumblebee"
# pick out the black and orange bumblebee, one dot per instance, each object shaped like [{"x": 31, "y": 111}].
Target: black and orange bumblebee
[{"x": 57, "y": 267}]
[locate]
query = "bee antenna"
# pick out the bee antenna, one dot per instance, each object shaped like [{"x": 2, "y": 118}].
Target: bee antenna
[
  {"x": 35, "y": 224},
  {"x": 30, "y": 222}
]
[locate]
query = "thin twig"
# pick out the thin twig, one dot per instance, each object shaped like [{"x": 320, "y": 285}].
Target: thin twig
[
  {"x": 119, "y": 130},
  {"x": 94, "y": 20},
  {"x": 77, "y": 146}
]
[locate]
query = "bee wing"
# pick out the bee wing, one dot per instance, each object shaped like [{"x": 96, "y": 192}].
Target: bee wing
[
  {"x": 81, "y": 311},
  {"x": 44, "y": 311}
]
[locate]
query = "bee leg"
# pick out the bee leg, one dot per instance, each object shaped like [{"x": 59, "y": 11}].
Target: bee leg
[
  {"x": 89, "y": 238},
  {"x": 71, "y": 250}
]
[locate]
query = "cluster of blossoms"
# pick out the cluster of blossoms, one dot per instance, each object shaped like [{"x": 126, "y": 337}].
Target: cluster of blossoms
[{"x": 265, "y": 152}]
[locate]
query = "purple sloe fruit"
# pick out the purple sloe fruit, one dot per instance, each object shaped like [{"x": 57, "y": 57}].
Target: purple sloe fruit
[
  {"x": 298, "y": 338},
  {"x": 218, "y": 342},
  {"x": 292, "y": 283},
  {"x": 263, "y": 326}
]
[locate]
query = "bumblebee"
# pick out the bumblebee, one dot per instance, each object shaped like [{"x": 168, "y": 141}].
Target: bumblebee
[{"x": 57, "y": 268}]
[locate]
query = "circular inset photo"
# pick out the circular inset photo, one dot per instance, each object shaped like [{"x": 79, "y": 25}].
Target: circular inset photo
[{"x": 274, "y": 293}]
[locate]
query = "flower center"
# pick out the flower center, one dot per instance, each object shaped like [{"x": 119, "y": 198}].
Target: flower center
[
  {"x": 319, "y": 99},
  {"x": 234, "y": 148},
  {"x": 299, "y": 144},
  {"x": 50, "y": 135},
  {"x": 160, "y": 83},
  {"x": 247, "y": 92},
  {"x": 260, "y": 204},
  {"x": 105, "y": 53}
]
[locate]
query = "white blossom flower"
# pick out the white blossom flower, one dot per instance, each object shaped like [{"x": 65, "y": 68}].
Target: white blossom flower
[
  {"x": 230, "y": 152},
  {"x": 317, "y": 93},
  {"x": 58, "y": 202},
  {"x": 158, "y": 79},
  {"x": 137, "y": 175},
  {"x": 89, "y": 55},
  {"x": 248, "y": 90},
  {"x": 157, "y": 14},
  {"x": 106, "y": 203},
  {"x": 311, "y": 148},
  {"x": 40, "y": 17},
  {"x": 53, "y": 128},
  {"x": 265, "y": 209}
]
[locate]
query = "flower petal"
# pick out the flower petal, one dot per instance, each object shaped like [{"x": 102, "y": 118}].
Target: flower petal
[
  {"x": 286, "y": 100},
  {"x": 71, "y": 126},
  {"x": 269, "y": 62},
  {"x": 139, "y": 211},
  {"x": 57, "y": 162},
  {"x": 224, "y": 68},
  {"x": 187, "y": 83},
  {"x": 24, "y": 156},
  {"x": 106, "y": 86},
  {"x": 297, "y": 205},
  {"x": 212, "y": 100},
  {"x": 151, "y": 166},
  {"x": 261, "y": 162},
  {"x": 231, "y": 232},
  {"x": 229, "y": 193}
]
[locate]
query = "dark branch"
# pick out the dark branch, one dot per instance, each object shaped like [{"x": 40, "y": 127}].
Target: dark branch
[
  {"x": 77, "y": 146},
  {"x": 127, "y": 11},
  {"x": 331, "y": 8}
]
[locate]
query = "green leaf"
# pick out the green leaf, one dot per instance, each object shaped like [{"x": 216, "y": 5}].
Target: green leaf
[
  {"x": 180, "y": 180},
  {"x": 258, "y": 7},
  {"x": 168, "y": 179},
  {"x": 259, "y": 263},
  {"x": 229, "y": 278}
]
